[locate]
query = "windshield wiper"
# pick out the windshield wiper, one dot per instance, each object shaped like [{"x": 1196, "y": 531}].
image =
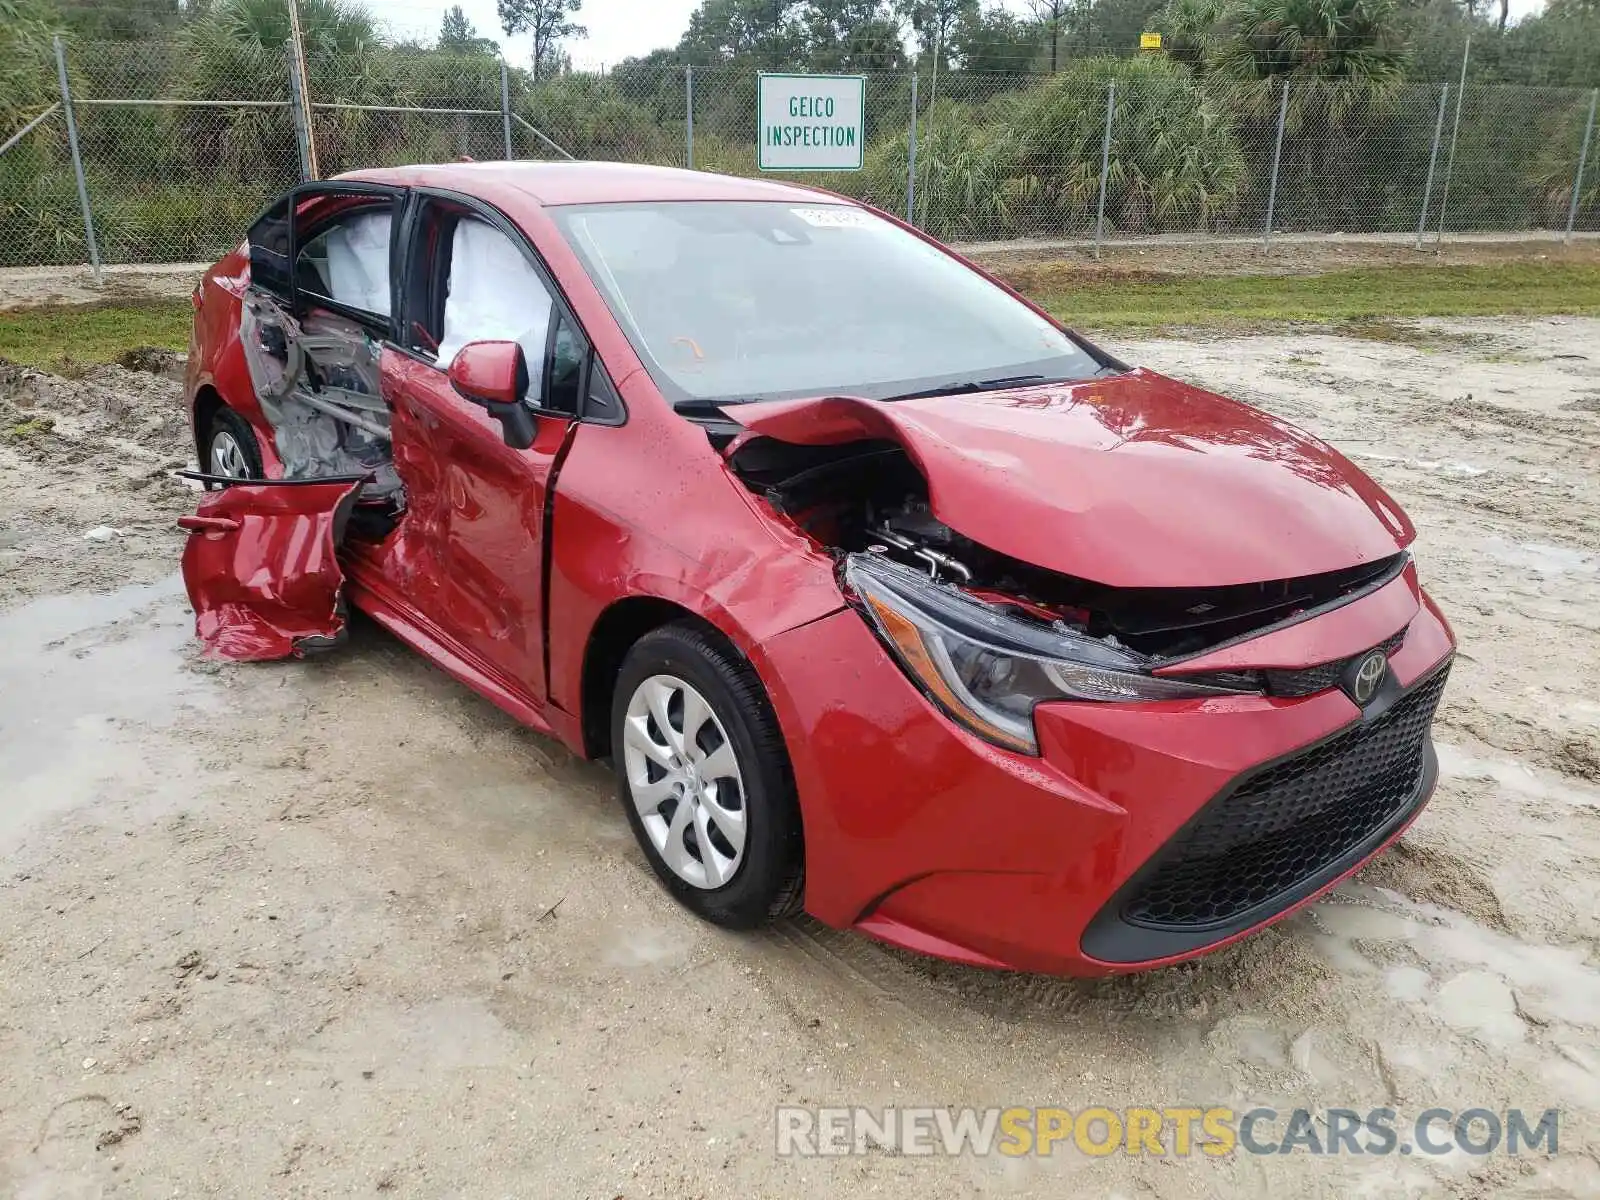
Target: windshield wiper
[
  {"x": 968, "y": 386},
  {"x": 697, "y": 407}
]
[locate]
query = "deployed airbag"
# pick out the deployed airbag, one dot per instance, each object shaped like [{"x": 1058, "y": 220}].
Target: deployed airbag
[
  {"x": 358, "y": 262},
  {"x": 261, "y": 566},
  {"x": 495, "y": 294}
]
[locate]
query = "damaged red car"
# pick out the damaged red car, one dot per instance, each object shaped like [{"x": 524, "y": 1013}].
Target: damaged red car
[{"x": 887, "y": 596}]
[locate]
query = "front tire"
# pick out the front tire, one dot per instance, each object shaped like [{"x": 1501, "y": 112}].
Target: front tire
[
  {"x": 704, "y": 778},
  {"x": 230, "y": 447}
]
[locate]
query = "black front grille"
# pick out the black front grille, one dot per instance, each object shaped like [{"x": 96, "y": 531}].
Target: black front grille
[
  {"x": 1267, "y": 836},
  {"x": 1306, "y": 680}
]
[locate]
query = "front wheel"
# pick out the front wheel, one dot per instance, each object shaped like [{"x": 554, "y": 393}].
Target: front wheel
[{"x": 704, "y": 778}]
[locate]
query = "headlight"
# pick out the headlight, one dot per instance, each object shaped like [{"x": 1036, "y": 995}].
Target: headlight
[{"x": 986, "y": 668}]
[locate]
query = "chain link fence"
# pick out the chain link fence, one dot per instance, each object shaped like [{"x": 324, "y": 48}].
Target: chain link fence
[{"x": 181, "y": 145}]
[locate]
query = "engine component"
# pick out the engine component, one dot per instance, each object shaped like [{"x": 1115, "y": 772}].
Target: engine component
[{"x": 868, "y": 496}]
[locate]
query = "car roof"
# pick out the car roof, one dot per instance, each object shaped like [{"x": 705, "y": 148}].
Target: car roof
[{"x": 547, "y": 183}]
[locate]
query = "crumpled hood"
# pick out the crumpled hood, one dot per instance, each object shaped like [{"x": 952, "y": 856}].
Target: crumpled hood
[{"x": 1133, "y": 481}]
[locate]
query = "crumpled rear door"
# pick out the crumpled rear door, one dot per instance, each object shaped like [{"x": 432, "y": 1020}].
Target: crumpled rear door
[{"x": 261, "y": 565}]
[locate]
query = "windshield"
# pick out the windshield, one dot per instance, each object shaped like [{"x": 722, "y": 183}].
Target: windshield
[{"x": 732, "y": 301}]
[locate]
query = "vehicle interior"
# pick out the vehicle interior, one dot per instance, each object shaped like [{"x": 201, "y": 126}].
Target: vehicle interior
[{"x": 314, "y": 348}]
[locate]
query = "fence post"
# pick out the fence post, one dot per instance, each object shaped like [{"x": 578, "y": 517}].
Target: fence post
[
  {"x": 688, "y": 108},
  {"x": 1455, "y": 131},
  {"x": 1277, "y": 157},
  {"x": 505, "y": 108},
  {"x": 911, "y": 157},
  {"x": 1583, "y": 158},
  {"x": 302, "y": 135},
  {"x": 1433, "y": 161},
  {"x": 77, "y": 161},
  {"x": 1105, "y": 163}
]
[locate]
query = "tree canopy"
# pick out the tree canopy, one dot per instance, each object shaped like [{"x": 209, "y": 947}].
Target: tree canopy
[
  {"x": 457, "y": 35},
  {"x": 551, "y": 24}
]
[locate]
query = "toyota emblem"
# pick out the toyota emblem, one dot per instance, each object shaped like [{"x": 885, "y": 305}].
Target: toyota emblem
[{"x": 1368, "y": 676}]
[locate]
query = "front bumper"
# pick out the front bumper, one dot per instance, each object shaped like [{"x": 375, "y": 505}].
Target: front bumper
[{"x": 922, "y": 835}]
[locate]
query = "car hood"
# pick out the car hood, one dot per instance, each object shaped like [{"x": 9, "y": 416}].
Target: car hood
[{"x": 1131, "y": 481}]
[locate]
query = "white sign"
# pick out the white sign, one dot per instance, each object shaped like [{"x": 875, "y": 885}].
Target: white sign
[{"x": 811, "y": 122}]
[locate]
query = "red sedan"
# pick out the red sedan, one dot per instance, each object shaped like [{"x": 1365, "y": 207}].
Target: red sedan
[{"x": 887, "y": 596}]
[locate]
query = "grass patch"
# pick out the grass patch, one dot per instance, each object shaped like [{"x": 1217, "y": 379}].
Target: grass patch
[
  {"x": 67, "y": 340},
  {"x": 30, "y": 427},
  {"x": 1399, "y": 334},
  {"x": 1370, "y": 303},
  {"x": 1370, "y": 299}
]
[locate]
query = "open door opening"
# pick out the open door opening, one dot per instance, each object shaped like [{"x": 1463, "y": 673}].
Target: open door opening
[{"x": 314, "y": 318}]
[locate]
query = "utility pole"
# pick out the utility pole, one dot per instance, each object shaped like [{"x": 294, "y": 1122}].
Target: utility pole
[{"x": 297, "y": 47}]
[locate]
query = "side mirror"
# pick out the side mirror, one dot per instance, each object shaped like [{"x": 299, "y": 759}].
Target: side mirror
[{"x": 495, "y": 375}]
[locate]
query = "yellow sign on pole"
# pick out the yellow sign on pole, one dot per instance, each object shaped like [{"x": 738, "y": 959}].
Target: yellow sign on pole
[{"x": 1149, "y": 41}]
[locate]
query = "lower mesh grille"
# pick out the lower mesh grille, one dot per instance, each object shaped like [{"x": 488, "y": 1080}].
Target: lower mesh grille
[{"x": 1287, "y": 823}]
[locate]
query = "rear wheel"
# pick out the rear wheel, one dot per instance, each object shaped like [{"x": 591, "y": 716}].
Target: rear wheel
[
  {"x": 704, "y": 778},
  {"x": 231, "y": 449}
]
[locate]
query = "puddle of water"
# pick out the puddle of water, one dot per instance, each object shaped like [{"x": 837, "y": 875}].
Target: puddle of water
[
  {"x": 1558, "y": 977},
  {"x": 1445, "y": 466},
  {"x": 646, "y": 948},
  {"x": 1407, "y": 983},
  {"x": 1345, "y": 915},
  {"x": 1480, "y": 1003},
  {"x": 1513, "y": 776},
  {"x": 1581, "y": 712},
  {"x": 1473, "y": 969},
  {"x": 77, "y": 674},
  {"x": 436, "y": 1037},
  {"x": 1541, "y": 557}
]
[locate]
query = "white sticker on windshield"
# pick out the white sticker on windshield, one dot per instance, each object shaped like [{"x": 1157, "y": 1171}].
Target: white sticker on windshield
[{"x": 834, "y": 217}]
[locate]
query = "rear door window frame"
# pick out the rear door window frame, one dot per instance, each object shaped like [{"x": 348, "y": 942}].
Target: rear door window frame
[{"x": 297, "y": 298}]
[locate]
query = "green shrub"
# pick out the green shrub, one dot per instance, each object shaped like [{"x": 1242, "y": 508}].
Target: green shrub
[
  {"x": 1175, "y": 159},
  {"x": 587, "y": 117}
]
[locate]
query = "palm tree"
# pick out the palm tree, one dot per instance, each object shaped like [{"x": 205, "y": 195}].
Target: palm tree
[
  {"x": 1174, "y": 157},
  {"x": 1189, "y": 29},
  {"x": 1341, "y": 54},
  {"x": 238, "y": 50},
  {"x": 1343, "y": 63}
]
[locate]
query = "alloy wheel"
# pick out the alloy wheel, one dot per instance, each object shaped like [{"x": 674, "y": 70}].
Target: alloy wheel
[
  {"x": 684, "y": 779},
  {"x": 227, "y": 456}
]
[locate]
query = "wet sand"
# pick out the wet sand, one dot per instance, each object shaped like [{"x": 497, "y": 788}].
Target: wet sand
[{"x": 342, "y": 927}]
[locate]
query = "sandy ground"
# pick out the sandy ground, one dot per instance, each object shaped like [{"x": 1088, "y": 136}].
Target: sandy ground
[{"x": 340, "y": 927}]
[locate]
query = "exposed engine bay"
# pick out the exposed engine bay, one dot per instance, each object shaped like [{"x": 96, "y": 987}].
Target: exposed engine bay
[
  {"x": 317, "y": 383},
  {"x": 868, "y": 498}
]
